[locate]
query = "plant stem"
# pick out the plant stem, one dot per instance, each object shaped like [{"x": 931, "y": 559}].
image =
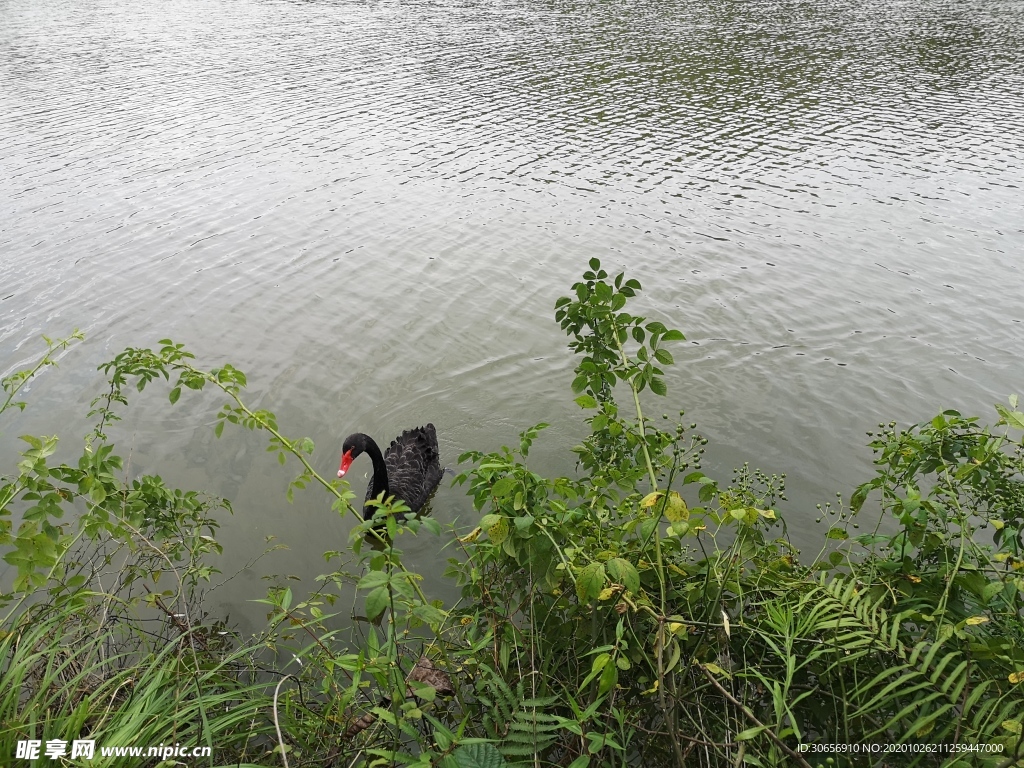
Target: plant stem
[
  {"x": 639, "y": 412},
  {"x": 21, "y": 378}
]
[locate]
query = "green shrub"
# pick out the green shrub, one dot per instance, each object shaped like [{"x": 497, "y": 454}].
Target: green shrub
[{"x": 639, "y": 612}]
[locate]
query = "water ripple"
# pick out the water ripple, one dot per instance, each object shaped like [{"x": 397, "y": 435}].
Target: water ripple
[{"x": 374, "y": 205}]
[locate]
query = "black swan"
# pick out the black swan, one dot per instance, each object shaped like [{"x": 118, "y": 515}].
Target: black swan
[{"x": 410, "y": 469}]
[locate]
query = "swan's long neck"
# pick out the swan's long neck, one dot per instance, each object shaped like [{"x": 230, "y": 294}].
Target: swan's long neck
[{"x": 379, "y": 482}]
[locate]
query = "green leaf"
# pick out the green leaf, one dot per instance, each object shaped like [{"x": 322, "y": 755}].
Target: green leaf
[
  {"x": 860, "y": 496},
  {"x": 33, "y": 441},
  {"x": 647, "y": 528},
  {"x": 174, "y": 395},
  {"x": 503, "y": 487},
  {"x": 673, "y": 336},
  {"x": 480, "y": 755},
  {"x": 750, "y": 733},
  {"x": 590, "y": 581},
  {"x": 1013, "y": 418},
  {"x": 373, "y": 579},
  {"x": 376, "y": 602},
  {"x": 679, "y": 528},
  {"x": 655, "y": 327},
  {"x": 429, "y": 614},
  {"x": 524, "y": 522},
  {"x": 508, "y": 547},
  {"x": 990, "y": 590},
  {"x": 97, "y": 494},
  {"x": 663, "y": 357},
  {"x": 870, "y": 539},
  {"x": 595, "y": 264},
  {"x": 609, "y": 676},
  {"x": 624, "y": 573},
  {"x": 596, "y": 668},
  {"x": 586, "y": 401},
  {"x": 658, "y": 386}
]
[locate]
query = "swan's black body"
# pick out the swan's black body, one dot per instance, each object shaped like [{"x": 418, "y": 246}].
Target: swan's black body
[{"x": 410, "y": 468}]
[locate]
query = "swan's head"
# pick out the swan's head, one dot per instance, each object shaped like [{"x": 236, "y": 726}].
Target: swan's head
[{"x": 353, "y": 446}]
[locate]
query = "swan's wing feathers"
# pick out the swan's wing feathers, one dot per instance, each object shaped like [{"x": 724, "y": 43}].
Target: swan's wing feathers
[{"x": 414, "y": 466}]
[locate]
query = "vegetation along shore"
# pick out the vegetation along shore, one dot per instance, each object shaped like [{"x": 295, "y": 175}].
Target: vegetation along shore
[{"x": 637, "y": 613}]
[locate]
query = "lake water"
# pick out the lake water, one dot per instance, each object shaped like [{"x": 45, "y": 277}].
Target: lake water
[{"x": 371, "y": 207}]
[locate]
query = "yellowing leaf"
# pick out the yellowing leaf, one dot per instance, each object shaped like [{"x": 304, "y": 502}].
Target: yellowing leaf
[
  {"x": 651, "y": 499},
  {"x": 1017, "y": 677},
  {"x": 1013, "y": 726},
  {"x": 607, "y": 593},
  {"x": 739, "y": 514},
  {"x": 717, "y": 670},
  {"x": 975, "y": 620},
  {"x": 498, "y": 532},
  {"x": 675, "y": 509},
  {"x": 652, "y": 689},
  {"x": 676, "y": 627},
  {"x": 471, "y": 536}
]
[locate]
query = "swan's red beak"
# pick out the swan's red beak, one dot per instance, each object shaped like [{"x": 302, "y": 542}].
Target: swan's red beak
[{"x": 346, "y": 462}]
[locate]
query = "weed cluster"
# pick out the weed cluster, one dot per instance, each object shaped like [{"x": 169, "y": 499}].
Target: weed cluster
[{"x": 637, "y": 613}]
